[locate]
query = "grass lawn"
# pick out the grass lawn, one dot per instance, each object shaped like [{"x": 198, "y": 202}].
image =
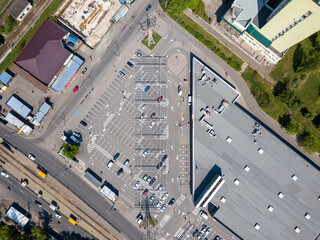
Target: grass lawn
[
  {"x": 8, "y": 62},
  {"x": 156, "y": 38},
  {"x": 3, "y": 3},
  {"x": 208, "y": 40}
]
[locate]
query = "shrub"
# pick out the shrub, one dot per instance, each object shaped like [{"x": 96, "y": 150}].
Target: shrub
[
  {"x": 305, "y": 113},
  {"x": 289, "y": 124},
  {"x": 310, "y": 142}
]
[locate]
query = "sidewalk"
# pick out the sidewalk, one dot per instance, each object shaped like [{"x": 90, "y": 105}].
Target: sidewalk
[
  {"x": 232, "y": 43},
  {"x": 53, "y": 190}
]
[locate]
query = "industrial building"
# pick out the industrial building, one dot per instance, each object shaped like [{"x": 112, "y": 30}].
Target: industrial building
[
  {"x": 273, "y": 26},
  {"x": 259, "y": 185}
]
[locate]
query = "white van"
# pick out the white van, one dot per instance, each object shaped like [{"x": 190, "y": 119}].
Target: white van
[
  {"x": 204, "y": 214},
  {"x": 189, "y": 99}
]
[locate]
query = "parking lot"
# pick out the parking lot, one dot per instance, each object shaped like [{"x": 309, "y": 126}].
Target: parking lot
[{"x": 150, "y": 131}]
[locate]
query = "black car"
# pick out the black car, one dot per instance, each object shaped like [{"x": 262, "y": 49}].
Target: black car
[
  {"x": 148, "y": 8},
  {"x": 159, "y": 165},
  {"x": 152, "y": 181},
  {"x": 116, "y": 156},
  {"x": 171, "y": 202},
  {"x": 164, "y": 158},
  {"x": 130, "y": 64},
  {"x": 195, "y": 233},
  {"x": 153, "y": 115},
  {"x": 120, "y": 171},
  {"x": 83, "y": 123}
]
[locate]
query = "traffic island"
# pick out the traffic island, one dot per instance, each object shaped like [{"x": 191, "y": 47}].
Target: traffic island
[{"x": 156, "y": 37}]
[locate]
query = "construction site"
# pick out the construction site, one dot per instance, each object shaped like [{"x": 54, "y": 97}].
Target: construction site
[{"x": 90, "y": 19}]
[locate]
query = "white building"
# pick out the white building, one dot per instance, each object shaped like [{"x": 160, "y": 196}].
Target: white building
[{"x": 21, "y": 9}]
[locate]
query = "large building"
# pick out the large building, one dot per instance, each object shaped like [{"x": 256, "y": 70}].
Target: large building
[
  {"x": 274, "y": 25},
  {"x": 45, "y": 61},
  {"x": 259, "y": 186}
]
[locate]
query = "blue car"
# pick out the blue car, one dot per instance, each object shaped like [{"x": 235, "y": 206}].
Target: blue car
[
  {"x": 147, "y": 88},
  {"x": 71, "y": 44},
  {"x": 149, "y": 6}
]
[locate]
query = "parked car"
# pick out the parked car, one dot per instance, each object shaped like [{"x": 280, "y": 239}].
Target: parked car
[
  {"x": 145, "y": 177},
  {"x": 148, "y": 179},
  {"x": 37, "y": 203},
  {"x": 171, "y": 202},
  {"x": 153, "y": 196},
  {"x": 148, "y": 7},
  {"x": 159, "y": 165},
  {"x": 164, "y": 158},
  {"x": 164, "y": 206},
  {"x": 76, "y": 88},
  {"x": 138, "y": 54},
  {"x": 152, "y": 123},
  {"x": 139, "y": 219},
  {"x": 130, "y": 64},
  {"x": 57, "y": 215},
  {"x": 164, "y": 196},
  {"x": 141, "y": 116},
  {"x": 126, "y": 162},
  {"x": 5, "y": 174},
  {"x": 110, "y": 163},
  {"x": 145, "y": 152},
  {"x": 153, "y": 115},
  {"x": 152, "y": 181},
  {"x": 115, "y": 157},
  {"x": 84, "y": 71},
  {"x": 136, "y": 185},
  {"x": 145, "y": 192},
  {"x": 71, "y": 44},
  {"x": 160, "y": 188},
  {"x": 147, "y": 88},
  {"x": 32, "y": 157},
  {"x": 158, "y": 204},
  {"x": 122, "y": 74},
  {"x": 195, "y": 233},
  {"x": 83, "y": 123},
  {"x": 120, "y": 171},
  {"x": 159, "y": 99},
  {"x": 143, "y": 107}
]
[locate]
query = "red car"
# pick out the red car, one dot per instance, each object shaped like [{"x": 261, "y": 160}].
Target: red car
[
  {"x": 145, "y": 192},
  {"x": 159, "y": 98},
  {"x": 76, "y": 88}
]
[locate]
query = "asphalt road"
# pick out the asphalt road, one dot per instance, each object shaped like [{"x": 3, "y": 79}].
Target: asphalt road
[
  {"x": 25, "y": 198},
  {"x": 89, "y": 195}
]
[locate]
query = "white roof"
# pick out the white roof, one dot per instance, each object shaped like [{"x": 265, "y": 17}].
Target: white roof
[{"x": 17, "y": 216}]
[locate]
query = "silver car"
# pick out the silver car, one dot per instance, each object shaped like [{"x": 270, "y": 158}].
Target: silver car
[{"x": 164, "y": 206}]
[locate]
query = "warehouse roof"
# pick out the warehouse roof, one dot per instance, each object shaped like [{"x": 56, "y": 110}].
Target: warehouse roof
[{"x": 256, "y": 165}]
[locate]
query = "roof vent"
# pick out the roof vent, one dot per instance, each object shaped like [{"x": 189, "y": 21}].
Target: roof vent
[
  {"x": 229, "y": 139},
  {"x": 257, "y": 226},
  {"x": 270, "y": 208},
  {"x": 307, "y": 216},
  {"x": 280, "y": 195},
  {"x": 260, "y": 150},
  {"x": 294, "y": 177},
  {"x": 297, "y": 229},
  {"x": 223, "y": 199},
  {"x": 247, "y": 168}
]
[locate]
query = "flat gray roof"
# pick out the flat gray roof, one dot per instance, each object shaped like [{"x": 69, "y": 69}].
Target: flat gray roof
[{"x": 270, "y": 173}]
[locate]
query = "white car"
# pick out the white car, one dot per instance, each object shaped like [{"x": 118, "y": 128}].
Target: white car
[
  {"x": 110, "y": 163},
  {"x": 143, "y": 107},
  {"x": 159, "y": 188},
  {"x": 158, "y": 204},
  {"x": 32, "y": 157},
  {"x": 151, "y": 124},
  {"x": 5, "y": 174},
  {"x": 165, "y": 195},
  {"x": 145, "y": 152},
  {"x": 153, "y": 196},
  {"x": 136, "y": 185},
  {"x": 164, "y": 206},
  {"x": 57, "y": 215}
]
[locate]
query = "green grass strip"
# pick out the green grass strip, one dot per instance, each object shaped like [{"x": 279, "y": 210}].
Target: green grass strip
[{"x": 156, "y": 38}]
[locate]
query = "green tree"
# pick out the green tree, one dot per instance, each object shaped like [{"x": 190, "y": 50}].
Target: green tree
[
  {"x": 38, "y": 233},
  {"x": 306, "y": 113},
  {"x": 70, "y": 151},
  {"x": 6, "y": 232},
  {"x": 10, "y": 23},
  {"x": 310, "y": 142},
  {"x": 289, "y": 124}
]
